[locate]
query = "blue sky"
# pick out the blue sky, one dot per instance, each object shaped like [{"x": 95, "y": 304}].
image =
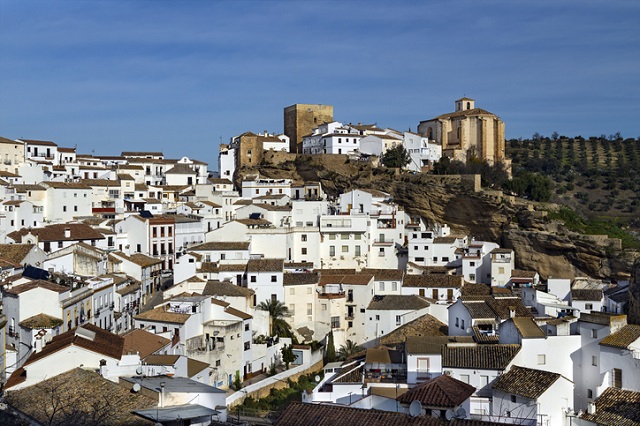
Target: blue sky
[{"x": 180, "y": 76}]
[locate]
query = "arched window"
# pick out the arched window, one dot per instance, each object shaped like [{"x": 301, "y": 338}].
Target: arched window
[{"x": 468, "y": 105}]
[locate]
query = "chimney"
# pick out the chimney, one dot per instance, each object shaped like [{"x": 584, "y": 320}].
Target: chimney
[
  {"x": 161, "y": 394},
  {"x": 512, "y": 311},
  {"x": 67, "y": 232},
  {"x": 591, "y": 407}
]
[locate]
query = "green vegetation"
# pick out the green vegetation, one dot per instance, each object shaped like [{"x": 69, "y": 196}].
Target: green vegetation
[
  {"x": 599, "y": 177},
  {"x": 574, "y": 222},
  {"x": 330, "y": 354},
  {"x": 348, "y": 349},
  {"x": 397, "y": 156},
  {"x": 277, "y": 312},
  {"x": 287, "y": 355},
  {"x": 280, "y": 398}
]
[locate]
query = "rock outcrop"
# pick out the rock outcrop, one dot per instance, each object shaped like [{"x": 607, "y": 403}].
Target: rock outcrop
[{"x": 539, "y": 244}]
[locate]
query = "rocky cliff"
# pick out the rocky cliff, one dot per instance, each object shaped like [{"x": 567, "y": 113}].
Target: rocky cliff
[{"x": 539, "y": 244}]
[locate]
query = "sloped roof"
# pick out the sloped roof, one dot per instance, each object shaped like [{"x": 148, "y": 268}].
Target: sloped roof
[
  {"x": 432, "y": 344},
  {"x": 588, "y": 295},
  {"x": 384, "y": 274},
  {"x": 40, "y": 321},
  {"x": 221, "y": 245},
  {"x": 300, "y": 278},
  {"x": 142, "y": 342},
  {"x": 265, "y": 265},
  {"x": 441, "y": 392},
  {"x": 159, "y": 314},
  {"x": 525, "y": 382},
  {"x": 527, "y": 327},
  {"x": 225, "y": 288},
  {"x": 103, "y": 342},
  {"x": 434, "y": 280},
  {"x": 616, "y": 407},
  {"x": 15, "y": 252},
  {"x": 86, "y": 394},
  {"x": 393, "y": 302},
  {"x": 488, "y": 357},
  {"x": 48, "y": 285},
  {"x": 298, "y": 413},
  {"x": 623, "y": 337},
  {"x": 77, "y": 232},
  {"x": 426, "y": 325}
]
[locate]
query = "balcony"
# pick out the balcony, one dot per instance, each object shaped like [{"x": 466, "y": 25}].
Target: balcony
[
  {"x": 334, "y": 295},
  {"x": 382, "y": 242},
  {"x": 349, "y": 317}
]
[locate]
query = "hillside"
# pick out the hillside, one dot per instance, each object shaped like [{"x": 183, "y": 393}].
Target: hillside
[
  {"x": 540, "y": 243},
  {"x": 599, "y": 177}
]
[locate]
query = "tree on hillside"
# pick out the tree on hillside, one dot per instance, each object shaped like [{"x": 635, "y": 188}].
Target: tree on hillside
[
  {"x": 330, "y": 354},
  {"x": 396, "y": 157},
  {"x": 287, "y": 355},
  {"x": 277, "y": 313},
  {"x": 348, "y": 349}
]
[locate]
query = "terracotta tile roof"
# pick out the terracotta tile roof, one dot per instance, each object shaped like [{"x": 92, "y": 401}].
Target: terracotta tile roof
[
  {"x": 354, "y": 279},
  {"x": 265, "y": 265},
  {"x": 426, "y": 325},
  {"x": 393, "y": 302},
  {"x": 128, "y": 289},
  {"x": 343, "y": 271},
  {"x": 586, "y": 294},
  {"x": 21, "y": 288},
  {"x": 300, "y": 278},
  {"x": 225, "y": 288},
  {"x": 473, "y": 289},
  {"x": 444, "y": 240},
  {"x": 221, "y": 245},
  {"x": 100, "y": 182},
  {"x": 474, "y": 111},
  {"x": 525, "y": 382},
  {"x": 142, "y": 342},
  {"x": 488, "y": 357},
  {"x": 623, "y": 337},
  {"x": 22, "y": 188},
  {"x": 384, "y": 274},
  {"x": 181, "y": 169},
  {"x": 65, "y": 185},
  {"x": 37, "y": 142},
  {"x": 351, "y": 374},
  {"x": 15, "y": 252},
  {"x": 231, "y": 267},
  {"x": 220, "y": 181},
  {"x": 141, "y": 154},
  {"x": 41, "y": 321},
  {"x": 479, "y": 309},
  {"x": 298, "y": 265},
  {"x": 138, "y": 258},
  {"x": 78, "y": 232},
  {"x": 159, "y": 314},
  {"x": 616, "y": 407},
  {"x": 104, "y": 343},
  {"x": 379, "y": 355},
  {"x": 298, "y": 413},
  {"x": 518, "y": 273},
  {"x": 433, "y": 280},
  {"x": 254, "y": 222},
  {"x": 527, "y": 327},
  {"x": 432, "y": 344},
  {"x": 441, "y": 392},
  {"x": 238, "y": 313},
  {"x": 85, "y": 394},
  {"x": 374, "y": 192},
  {"x": 502, "y": 305}
]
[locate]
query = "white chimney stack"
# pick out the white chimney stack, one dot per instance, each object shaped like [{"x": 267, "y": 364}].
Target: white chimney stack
[{"x": 67, "y": 232}]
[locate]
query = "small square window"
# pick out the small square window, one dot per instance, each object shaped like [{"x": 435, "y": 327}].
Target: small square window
[{"x": 253, "y": 278}]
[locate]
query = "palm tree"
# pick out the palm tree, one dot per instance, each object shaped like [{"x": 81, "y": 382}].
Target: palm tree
[
  {"x": 348, "y": 349},
  {"x": 277, "y": 312}
]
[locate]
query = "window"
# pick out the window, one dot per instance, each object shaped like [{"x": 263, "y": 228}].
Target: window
[
  {"x": 435, "y": 258},
  {"x": 472, "y": 263},
  {"x": 324, "y": 306},
  {"x": 445, "y": 259},
  {"x": 292, "y": 309},
  {"x": 464, "y": 378},
  {"x": 513, "y": 398},
  {"x": 381, "y": 286},
  {"x": 309, "y": 309},
  {"x": 617, "y": 378},
  {"x": 588, "y": 306},
  {"x": 394, "y": 286},
  {"x": 419, "y": 259},
  {"x": 594, "y": 360},
  {"x": 398, "y": 319},
  {"x": 64, "y": 208},
  {"x": 274, "y": 278},
  {"x": 332, "y": 236},
  {"x": 358, "y": 253},
  {"x": 309, "y": 290},
  {"x": 594, "y": 333},
  {"x": 472, "y": 277},
  {"x": 335, "y": 322},
  {"x": 332, "y": 250},
  {"x": 542, "y": 359},
  {"x": 377, "y": 317},
  {"x": 247, "y": 346},
  {"x": 357, "y": 236},
  {"x": 484, "y": 381},
  {"x": 589, "y": 393},
  {"x": 462, "y": 324},
  {"x": 246, "y": 327},
  {"x": 304, "y": 237},
  {"x": 457, "y": 322},
  {"x": 292, "y": 291},
  {"x": 344, "y": 236},
  {"x": 59, "y": 244},
  {"x": 345, "y": 249},
  {"x": 253, "y": 278}
]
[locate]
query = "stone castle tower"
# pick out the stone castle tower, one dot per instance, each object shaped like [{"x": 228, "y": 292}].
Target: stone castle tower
[{"x": 301, "y": 119}]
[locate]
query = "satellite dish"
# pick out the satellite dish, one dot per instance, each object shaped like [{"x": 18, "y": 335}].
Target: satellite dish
[
  {"x": 461, "y": 413},
  {"x": 139, "y": 370},
  {"x": 317, "y": 378},
  {"x": 449, "y": 414},
  {"x": 415, "y": 409},
  {"x": 136, "y": 387}
]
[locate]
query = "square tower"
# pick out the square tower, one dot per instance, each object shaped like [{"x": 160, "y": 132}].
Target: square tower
[{"x": 301, "y": 119}]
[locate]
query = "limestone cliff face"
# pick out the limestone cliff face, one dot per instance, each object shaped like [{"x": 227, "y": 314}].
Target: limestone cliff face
[{"x": 539, "y": 244}]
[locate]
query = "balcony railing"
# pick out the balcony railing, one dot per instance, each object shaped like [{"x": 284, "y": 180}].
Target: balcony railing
[{"x": 336, "y": 295}]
